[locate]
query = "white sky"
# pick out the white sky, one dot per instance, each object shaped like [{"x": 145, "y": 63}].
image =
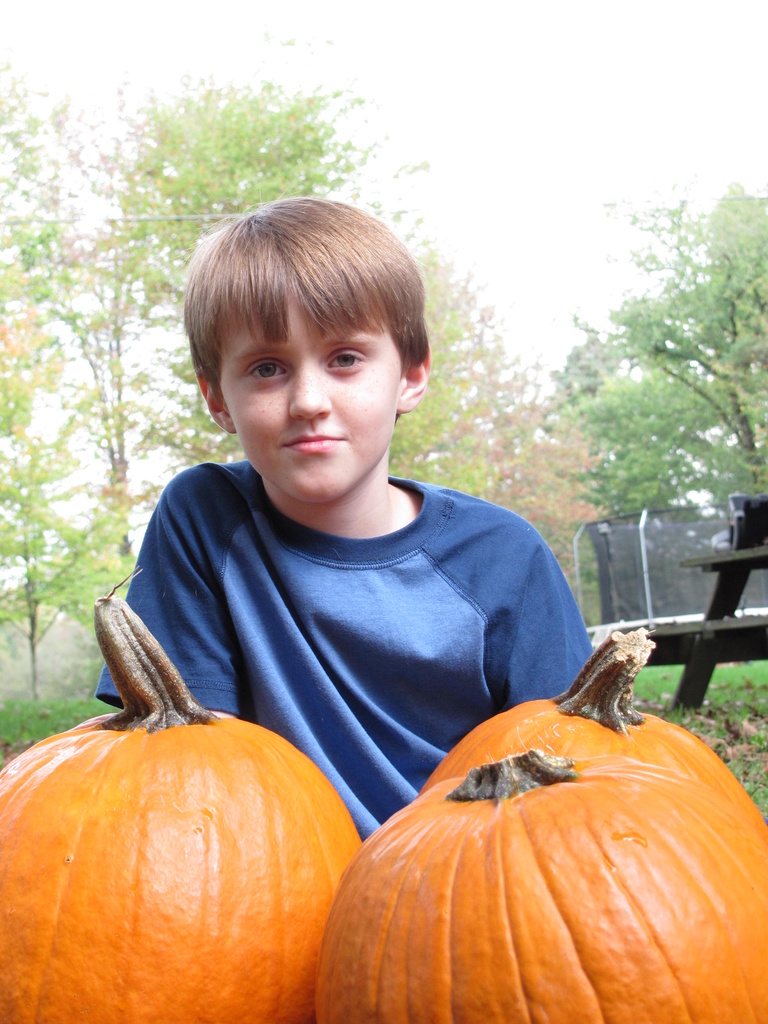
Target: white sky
[{"x": 533, "y": 116}]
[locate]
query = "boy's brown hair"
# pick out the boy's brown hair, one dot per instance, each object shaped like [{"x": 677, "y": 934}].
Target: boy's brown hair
[{"x": 345, "y": 268}]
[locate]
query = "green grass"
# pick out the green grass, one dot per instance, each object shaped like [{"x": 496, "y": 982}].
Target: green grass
[
  {"x": 23, "y": 722},
  {"x": 733, "y": 721},
  {"x": 746, "y": 683}
]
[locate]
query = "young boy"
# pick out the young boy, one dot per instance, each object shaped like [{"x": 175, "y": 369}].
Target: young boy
[{"x": 369, "y": 620}]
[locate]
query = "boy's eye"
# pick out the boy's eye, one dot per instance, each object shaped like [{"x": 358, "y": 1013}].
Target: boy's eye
[
  {"x": 346, "y": 359},
  {"x": 266, "y": 370}
]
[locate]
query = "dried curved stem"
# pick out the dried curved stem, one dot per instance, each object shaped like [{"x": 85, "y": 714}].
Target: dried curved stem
[
  {"x": 602, "y": 691},
  {"x": 153, "y": 693},
  {"x": 501, "y": 780}
]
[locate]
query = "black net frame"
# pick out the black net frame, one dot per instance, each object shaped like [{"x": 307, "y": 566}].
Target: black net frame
[{"x": 623, "y": 546}]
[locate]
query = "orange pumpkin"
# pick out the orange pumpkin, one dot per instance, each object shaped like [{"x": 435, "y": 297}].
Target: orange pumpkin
[
  {"x": 153, "y": 870},
  {"x": 602, "y": 891},
  {"x": 596, "y": 716}
]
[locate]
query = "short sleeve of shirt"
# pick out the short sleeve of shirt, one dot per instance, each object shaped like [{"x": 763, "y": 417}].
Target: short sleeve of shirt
[{"x": 178, "y": 592}]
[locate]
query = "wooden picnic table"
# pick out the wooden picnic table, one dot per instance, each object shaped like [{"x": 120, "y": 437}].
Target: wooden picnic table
[{"x": 721, "y": 635}]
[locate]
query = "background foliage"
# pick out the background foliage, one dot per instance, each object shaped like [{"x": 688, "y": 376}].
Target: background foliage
[
  {"x": 673, "y": 401},
  {"x": 98, "y": 404}
]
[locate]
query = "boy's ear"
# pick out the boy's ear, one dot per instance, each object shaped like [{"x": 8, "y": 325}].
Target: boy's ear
[
  {"x": 413, "y": 385},
  {"x": 216, "y": 406}
]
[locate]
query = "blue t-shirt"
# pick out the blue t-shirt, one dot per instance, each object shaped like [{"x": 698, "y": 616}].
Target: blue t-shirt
[{"x": 373, "y": 656}]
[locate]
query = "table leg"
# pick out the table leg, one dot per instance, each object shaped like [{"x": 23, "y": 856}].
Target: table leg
[
  {"x": 697, "y": 672},
  {"x": 706, "y": 649},
  {"x": 725, "y": 598}
]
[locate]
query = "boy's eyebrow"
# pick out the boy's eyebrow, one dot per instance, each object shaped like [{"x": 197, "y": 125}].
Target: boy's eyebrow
[
  {"x": 248, "y": 345},
  {"x": 342, "y": 333},
  {"x": 349, "y": 337}
]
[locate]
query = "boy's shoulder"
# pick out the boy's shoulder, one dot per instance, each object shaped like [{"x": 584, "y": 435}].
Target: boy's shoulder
[
  {"x": 471, "y": 516},
  {"x": 214, "y": 477},
  {"x": 215, "y": 492}
]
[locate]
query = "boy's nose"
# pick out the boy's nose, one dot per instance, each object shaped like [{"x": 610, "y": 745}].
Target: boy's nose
[{"x": 308, "y": 397}]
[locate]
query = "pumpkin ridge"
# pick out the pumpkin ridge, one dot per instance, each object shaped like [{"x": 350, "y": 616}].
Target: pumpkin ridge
[
  {"x": 350, "y": 896},
  {"x": 693, "y": 879},
  {"x": 457, "y": 855},
  {"x": 638, "y": 913},
  {"x": 725, "y": 847},
  {"x": 403, "y": 873},
  {"x": 216, "y": 763},
  {"x": 417, "y": 858},
  {"x": 543, "y": 867},
  {"x": 502, "y": 850},
  {"x": 66, "y": 881},
  {"x": 275, "y": 744},
  {"x": 680, "y": 745},
  {"x": 136, "y": 906},
  {"x": 383, "y": 936},
  {"x": 251, "y": 741},
  {"x": 664, "y": 837},
  {"x": 616, "y": 881}
]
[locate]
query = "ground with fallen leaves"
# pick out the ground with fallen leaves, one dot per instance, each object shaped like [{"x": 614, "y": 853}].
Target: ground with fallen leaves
[
  {"x": 733, "y": 720},
  {"x": 739, "y": 738}
]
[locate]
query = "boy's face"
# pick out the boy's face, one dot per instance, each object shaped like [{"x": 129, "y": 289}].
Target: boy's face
[{"x": 315, "y": 417}]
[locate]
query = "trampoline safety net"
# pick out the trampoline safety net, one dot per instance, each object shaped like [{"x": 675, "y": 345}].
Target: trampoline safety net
[{"x": 631, "y": 570}]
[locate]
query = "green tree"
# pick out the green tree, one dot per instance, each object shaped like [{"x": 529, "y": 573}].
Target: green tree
[
  {"x": 32, "y": 192},
  {"x": 53, "y": 537},
  {"x": 674, "y": 399},
  {"x": 651, "y": 448},
  {"x": 707, "y": 328},
  {"x": 140, "y": 193}
]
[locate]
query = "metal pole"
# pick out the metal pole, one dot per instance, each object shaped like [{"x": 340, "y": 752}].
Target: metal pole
[
  {"x": 579, "y": 596},
  {"x": 646, "y": 574}
]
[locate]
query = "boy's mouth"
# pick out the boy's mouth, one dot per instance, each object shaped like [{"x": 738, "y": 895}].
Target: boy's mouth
[{"x": 313, "y": 443}]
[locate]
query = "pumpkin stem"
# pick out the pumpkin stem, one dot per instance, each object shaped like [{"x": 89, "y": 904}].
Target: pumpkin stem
[
  {"x": 602, "y": 690},
  {"x": 514, "y": 775},
  {"x": 153, "y": 693}
]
